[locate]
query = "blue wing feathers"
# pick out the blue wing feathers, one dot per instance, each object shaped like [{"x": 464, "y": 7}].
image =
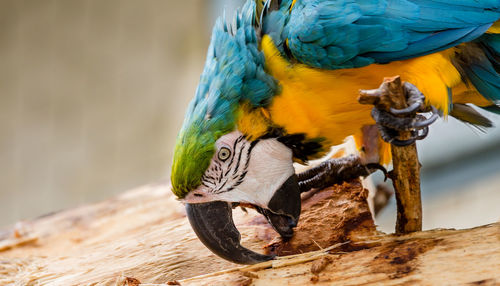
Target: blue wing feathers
[
  {"x": 433, "y": 43},
  {"x": 353, "y": 33}
]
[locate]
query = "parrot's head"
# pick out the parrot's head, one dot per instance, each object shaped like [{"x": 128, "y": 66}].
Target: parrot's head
[{"x": 216, "y": 166}]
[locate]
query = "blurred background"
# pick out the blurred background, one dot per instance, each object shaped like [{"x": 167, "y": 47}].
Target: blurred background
[{"x": 93, "y": 92}]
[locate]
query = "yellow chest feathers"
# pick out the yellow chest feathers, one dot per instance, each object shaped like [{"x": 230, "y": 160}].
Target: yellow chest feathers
[{"x": 323, "y": 103}]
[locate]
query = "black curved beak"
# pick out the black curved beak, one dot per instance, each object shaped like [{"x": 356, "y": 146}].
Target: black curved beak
[{"x": 213, "y": 223}]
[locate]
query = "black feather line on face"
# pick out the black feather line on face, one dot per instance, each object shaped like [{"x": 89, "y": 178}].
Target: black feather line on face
[
  {"x": 243, "y": 174},
  {"x": 303, "y": 149},
  {"x": 208, "y": 179},
  {"x": 233, "y": 153},
  {"x": 217, "y": 166},
  {"x": 240, "y": 180},
  {"x": 238, "y": 161}
]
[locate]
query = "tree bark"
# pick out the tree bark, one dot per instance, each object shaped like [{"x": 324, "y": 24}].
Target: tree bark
[{"x": 143, "y": 238}]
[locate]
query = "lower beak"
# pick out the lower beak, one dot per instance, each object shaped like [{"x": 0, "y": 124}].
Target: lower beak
[
  {"x": 283, "y": 210},
  {"x": 213, "y": 223}
]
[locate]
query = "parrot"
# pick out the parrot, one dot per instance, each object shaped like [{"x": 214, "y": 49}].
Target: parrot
[{"x": 280, "y": 86}]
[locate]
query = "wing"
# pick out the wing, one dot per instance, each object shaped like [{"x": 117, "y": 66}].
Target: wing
[{"x": 335, "y": 34}]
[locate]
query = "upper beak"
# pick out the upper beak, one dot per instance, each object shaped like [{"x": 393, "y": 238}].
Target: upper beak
[{"x": 213, "y": 223}]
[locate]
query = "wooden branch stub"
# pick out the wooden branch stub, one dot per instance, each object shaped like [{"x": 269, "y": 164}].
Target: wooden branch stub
[{"x": 406, "y": 167}]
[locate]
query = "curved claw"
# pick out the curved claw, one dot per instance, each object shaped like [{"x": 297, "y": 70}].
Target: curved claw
[
  {"x": 427, "y": 122},
  {"x": 377, "y": 166},
  {"x": 401, "y": 143},
  {"x": 425, "y": 132},
  {"x": 213, "y": 224},
  {"x": 389, "y": 125},
  {"x": 388, "y": 120},
  {"x": 389, "y": 137},
  {"x": 405, "y": 111}
]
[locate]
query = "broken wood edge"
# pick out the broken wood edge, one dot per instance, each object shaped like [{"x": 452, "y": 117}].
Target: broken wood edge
[
  {"x": 406, "y": 167},
  {"x": 11, "y": 243}
]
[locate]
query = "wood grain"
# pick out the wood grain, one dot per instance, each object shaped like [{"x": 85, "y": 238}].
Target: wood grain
[{"x": 143, "y": 238}]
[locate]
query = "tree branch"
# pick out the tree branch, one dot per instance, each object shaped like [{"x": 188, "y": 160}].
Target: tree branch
[{"x": 406, "y": 167}]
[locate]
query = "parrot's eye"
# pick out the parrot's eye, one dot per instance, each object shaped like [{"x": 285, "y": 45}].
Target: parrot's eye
[{"x": 224, "y": 153}]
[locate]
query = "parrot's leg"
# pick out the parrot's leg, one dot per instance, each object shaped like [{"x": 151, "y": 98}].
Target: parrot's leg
[
  {"x": 391, "y": 122},
  {"x": 335, "y": 171}
]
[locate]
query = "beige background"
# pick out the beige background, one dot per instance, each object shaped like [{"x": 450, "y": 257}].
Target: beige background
[
  {"x": 92, "y": 93},
  {"x": 91, "y": 96}
]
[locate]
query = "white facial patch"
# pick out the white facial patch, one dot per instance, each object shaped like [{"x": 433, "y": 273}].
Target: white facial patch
[{"x": 252, "y": 173}]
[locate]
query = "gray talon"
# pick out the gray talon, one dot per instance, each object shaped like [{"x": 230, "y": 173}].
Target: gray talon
[
  {"x": 394, "y": 121},
  {"x": 429, "y": 121},
  {"x": 425, "y": 132},
  {"x": 406, "y": 111}
]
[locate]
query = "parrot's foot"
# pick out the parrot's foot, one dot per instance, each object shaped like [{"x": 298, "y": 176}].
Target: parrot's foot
[
  {"x": 335, "y": 171},
  {"x": 394, "y": 121}
]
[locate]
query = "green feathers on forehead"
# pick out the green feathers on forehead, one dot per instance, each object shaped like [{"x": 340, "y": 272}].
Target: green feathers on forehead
[{"x": 233, "y": 73}]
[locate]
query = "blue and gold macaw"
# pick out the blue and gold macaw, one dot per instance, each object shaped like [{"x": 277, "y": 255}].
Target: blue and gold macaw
[{"x": 280, "y": 84}]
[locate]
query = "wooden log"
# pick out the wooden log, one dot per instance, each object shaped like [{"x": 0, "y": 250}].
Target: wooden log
[
  {"x": 143, "y": 238},
  {"x": 406, "y": 167},
  {"x": 437, "y": 257},
  {"x": 144, "y": 234}
]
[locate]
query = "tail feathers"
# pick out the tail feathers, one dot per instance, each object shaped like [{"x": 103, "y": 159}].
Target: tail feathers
[
  {"x": 469, "y": 115},
  {"x": 486, "y": 80},
  {"x": 492, "y": 108},
  {"x": 491, "y": 47},
  {"x": 479, "y": 64}
]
